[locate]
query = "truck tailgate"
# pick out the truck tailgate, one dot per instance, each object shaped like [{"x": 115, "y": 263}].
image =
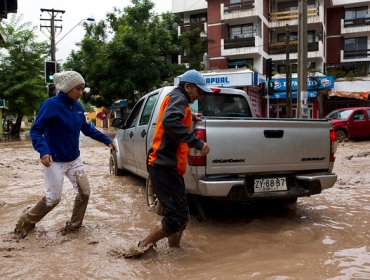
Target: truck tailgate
[{"x": 240, "y": 146}]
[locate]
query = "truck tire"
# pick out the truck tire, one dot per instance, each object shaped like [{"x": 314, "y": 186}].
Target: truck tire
[
  {"x": 151, "y": 199},
  {"x": 341, "y": 135},
  {"x": 113, "y": 166}
]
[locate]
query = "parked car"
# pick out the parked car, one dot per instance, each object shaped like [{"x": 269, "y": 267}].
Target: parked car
[
  {"x": 351, "y": 123},
  {"x": 251, "y": 158}
]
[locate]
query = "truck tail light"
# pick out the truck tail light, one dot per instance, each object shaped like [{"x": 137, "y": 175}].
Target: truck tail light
[
  {"x": 195, "y": 159},
  {"x": 333, "y": 145}
]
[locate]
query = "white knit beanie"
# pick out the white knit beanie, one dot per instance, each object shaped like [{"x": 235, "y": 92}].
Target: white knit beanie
[{"x": 67, "y": 80}]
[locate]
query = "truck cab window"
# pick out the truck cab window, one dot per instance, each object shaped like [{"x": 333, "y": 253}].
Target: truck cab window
[
  {"x": 224, "y": 105},
  {"x": 134, "y": 115},
  {"x": 148, "y": 108}
]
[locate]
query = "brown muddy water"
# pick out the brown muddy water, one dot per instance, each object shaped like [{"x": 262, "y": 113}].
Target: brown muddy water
[{"x": 326, "y": 236}]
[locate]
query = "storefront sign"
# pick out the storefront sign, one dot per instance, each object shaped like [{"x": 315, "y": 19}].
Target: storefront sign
[
  {"x": 315, "y": 83},
  {"x": 230, "y": 79}
]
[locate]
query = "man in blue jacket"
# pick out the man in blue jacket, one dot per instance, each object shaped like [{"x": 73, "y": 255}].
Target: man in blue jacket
[{"x": 55, "y": 135}]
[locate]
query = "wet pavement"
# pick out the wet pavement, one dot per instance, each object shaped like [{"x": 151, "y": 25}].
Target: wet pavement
[{"x": 325, "y": 236}]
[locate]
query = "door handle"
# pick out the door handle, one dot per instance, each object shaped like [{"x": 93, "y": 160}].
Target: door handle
[
  {"x": 131, "y": 134},
  {"x": 273, "y": 133},
  {"x": 143, "y": 133}
]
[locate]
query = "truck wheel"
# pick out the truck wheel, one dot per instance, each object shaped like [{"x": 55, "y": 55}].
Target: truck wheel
[
  {"x": 341, "y": 135},
  {"x": 113, "y": 166},
  {"x": 151, "y": 199}
]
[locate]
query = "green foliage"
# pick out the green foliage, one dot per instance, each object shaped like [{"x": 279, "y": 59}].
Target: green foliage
[
  {"x": 194, "y": 47},
  {"x": 22, "y": 68},
  {"x": 128, "y": 54}
]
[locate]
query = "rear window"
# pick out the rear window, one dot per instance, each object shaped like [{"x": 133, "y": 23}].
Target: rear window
[{"x": 222, "y": 105}]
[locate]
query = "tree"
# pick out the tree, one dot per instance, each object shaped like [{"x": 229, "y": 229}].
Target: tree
[
  {"x": 131, "y": 52},
  {"x": 22, "y": 69},
  {"x": 194, "y": 47}
]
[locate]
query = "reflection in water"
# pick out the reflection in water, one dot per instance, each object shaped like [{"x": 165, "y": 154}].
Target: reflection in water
[{"x": 321, "y": 237}]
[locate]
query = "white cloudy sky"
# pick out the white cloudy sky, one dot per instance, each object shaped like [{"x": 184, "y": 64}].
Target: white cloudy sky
[{"x": 75, "y": 11}]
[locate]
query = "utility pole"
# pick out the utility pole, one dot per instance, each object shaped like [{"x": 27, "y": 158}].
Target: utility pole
[
  {"x": 302, "y": 94},
  {"x": 52, "y": 27},
  {"x": 287, "y": 77}
]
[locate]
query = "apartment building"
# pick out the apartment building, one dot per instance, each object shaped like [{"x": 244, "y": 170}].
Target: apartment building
[
  {"x": 244, "y": 33},
  {"x": 348, "y": 36}
]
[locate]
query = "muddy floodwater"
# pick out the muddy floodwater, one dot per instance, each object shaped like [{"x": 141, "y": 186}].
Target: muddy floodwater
[{"x": 326, "y": 236}]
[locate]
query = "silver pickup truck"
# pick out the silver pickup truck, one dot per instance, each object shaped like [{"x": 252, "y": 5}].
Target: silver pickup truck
[{"x": 250, "y": 158}]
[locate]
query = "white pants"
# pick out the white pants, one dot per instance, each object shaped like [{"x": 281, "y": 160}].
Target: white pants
[{"x": 54, "y": 177}]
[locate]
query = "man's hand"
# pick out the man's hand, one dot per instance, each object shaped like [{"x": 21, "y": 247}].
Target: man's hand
[
  {"x": 198, "y": 117},
  {"x": 112, "y": 146},
  {"x": 46, "y": 160},
  {"x": 205, "y": 150}
]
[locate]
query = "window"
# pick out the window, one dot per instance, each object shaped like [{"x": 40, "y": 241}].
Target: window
[
  {"x": 359, "y": 116},
  {"x": 198, "y": 18},
  {"x": 293, "y": 36},
  {"x": 147, "y": 111},
  {"x": 355, "y": 47},
  {"x": 134, "y": 115},
  {"x": 223, "y": 105},
  {"x": 239, "y": 63},
  {"x": 311, "y": 36},
  {"x": 242, "y": 31},
  {"x": 355, "y": 13}
]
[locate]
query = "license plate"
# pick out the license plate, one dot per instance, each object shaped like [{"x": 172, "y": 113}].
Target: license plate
[{"x": 270, "y": 184}]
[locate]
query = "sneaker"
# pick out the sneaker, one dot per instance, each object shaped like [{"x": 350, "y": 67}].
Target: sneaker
[
  {"x": 137, "y": 250},
  {"x": 23, "y": 227},
  {"x": 67, "y": 229}
]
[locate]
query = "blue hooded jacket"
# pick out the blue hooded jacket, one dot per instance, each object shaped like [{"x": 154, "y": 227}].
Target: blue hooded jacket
[{"x": 56, "y": 130}]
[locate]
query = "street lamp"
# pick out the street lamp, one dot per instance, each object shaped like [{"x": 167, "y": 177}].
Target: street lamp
[{"x": 82, "y": 20}]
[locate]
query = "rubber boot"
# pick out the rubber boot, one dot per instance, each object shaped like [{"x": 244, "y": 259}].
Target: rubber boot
[
  {"x": 28, "y": 220},
  {"x": 79, "y": 209}
]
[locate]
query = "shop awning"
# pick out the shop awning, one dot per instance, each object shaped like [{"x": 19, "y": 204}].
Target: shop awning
[
  {"x": 311, "y": 94},
  {"x": 351, "y": 94}
]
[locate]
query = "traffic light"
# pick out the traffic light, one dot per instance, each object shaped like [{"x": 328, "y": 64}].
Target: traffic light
[
  {"x": 50, "y": 69},
  {"x": 269, "y": 68},
  {"x": 271, "y": 87},
  {"x": 262, "y": 88}
]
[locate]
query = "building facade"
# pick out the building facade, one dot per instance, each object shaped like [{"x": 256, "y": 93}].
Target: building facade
[{"x": 245, "y": 33}]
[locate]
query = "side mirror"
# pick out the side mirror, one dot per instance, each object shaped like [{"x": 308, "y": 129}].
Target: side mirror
[{"x": 118, "y": 123}]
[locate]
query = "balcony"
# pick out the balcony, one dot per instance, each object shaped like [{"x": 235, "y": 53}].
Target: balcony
[
  {"x": 234, "y": 12},
  {"x": 240, "y": 6},
  {"x": 188, "y": 26},
  {"x": 241, "y": 46},
  {"x": 358, "y": 25},
  {"x": 280, "y": 47},
  {"x": 355, "y": 55},
  {"x": 239, "y": 43},
  {"x": 280, "y": 19}
]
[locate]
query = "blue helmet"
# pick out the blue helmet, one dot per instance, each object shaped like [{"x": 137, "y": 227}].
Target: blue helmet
[{"x": 194, "y": 77}]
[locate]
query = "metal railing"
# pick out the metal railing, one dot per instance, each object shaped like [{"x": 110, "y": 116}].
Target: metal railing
[
  {"x": 187, "y": 26},
  {"x": 239, "y": 43},
  {"x": 292, "y": 14},
  {"x": 356, "y": 54},
  {"x": 242, "y": 5},
  {"x": 354, "y": 22},
  {"x": 280, "y": 47}
]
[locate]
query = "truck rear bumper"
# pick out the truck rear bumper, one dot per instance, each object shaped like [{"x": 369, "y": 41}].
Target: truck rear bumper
[{"x": 242, "y": 189}]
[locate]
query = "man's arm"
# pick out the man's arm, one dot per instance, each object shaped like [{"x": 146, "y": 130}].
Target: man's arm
[{"x": 176, "y": 110}]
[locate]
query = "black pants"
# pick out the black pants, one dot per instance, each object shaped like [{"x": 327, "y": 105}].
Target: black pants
[{"x": 169, "y": 188}]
